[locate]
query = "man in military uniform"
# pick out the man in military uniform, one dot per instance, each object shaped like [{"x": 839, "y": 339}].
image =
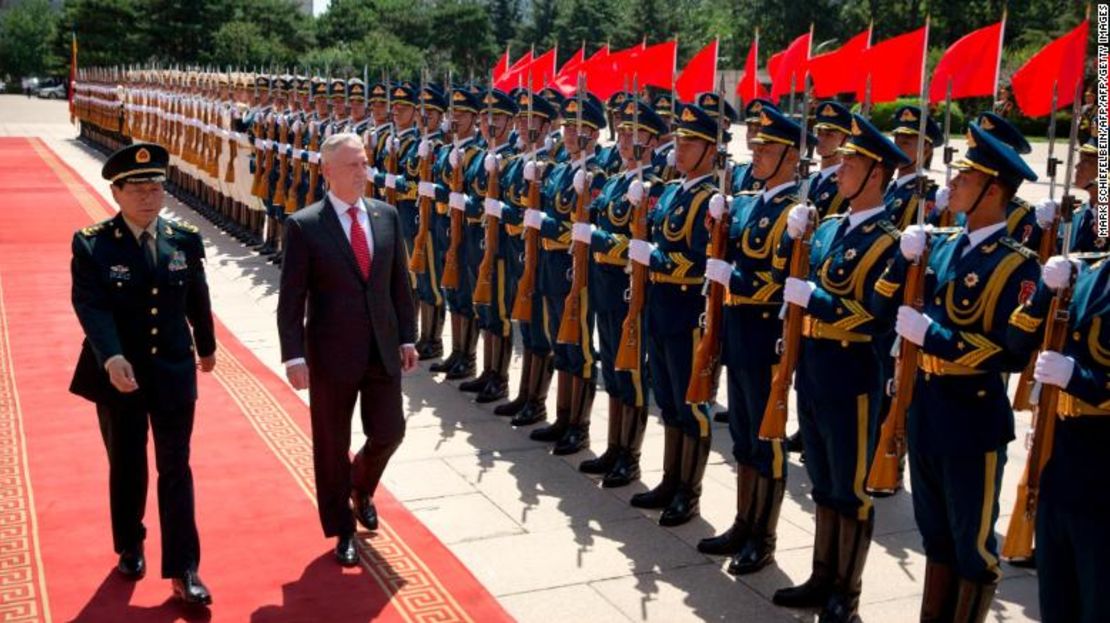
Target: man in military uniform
[
  {"x": 662, "y": 156},
  {"x": 433, "y": 105},
  {"x": 752, "y": 327},
  {"x": 1072, "y": 541},
  {"x": 838, "y": 376},
  {"x": 901, "y": 197},
  {"x": 1085, "y": 236},
  {"x": 960, "y": 420},
  {"x": 833, "y": 127},
  {"x": 675, "y": 257},
  {"x": 141, "y": 297},
  {"x": 398, "y": 170},
  {"x": 742, "y": 178}
]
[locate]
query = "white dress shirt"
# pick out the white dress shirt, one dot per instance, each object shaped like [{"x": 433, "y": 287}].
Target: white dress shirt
[
  {"x": 341, "y": 208},
  {"x": 975, "y": 238},
  {"x": 855, "y": 217}
]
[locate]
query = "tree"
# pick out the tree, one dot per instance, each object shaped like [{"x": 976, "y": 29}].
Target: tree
[
  {"x": 505, "y": 15},
  {"x": 26, "y": 33}
]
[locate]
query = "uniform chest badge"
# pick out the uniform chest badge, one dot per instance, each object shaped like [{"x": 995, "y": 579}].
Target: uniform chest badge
[
  {"x": 971, "y": 280},
  {"x": 119, "y": 272},
  {"x": 897, "y": 203},
  {"x": 177, "y": 261},
  {"x": 850, "y": 254},
  {"x": 823, "y": 196},
  {"x": 763, "y": 222},
  {"x": 118, "y": 233},
  {"x": 679, "y": 211},
  {"x": 988, "y": 248}
]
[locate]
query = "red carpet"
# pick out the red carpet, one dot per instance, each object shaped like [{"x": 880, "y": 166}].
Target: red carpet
[{"x": 264, "y": 556}]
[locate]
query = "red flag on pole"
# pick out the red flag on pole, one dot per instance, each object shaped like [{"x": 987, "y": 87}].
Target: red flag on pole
[
  {"x": 502, "y": 65},
  {"x": 566, "y": 81},
  {"x": 748, "y": 87},
  {"x": 971, "y": 64},
  {"x": 789, "y": 69},
  {"x": 1061, "y": 62},
  {"x": 606, "y": 76},
  {"x": 895, "y": 67},
  {"x": 700, "y": 73},
  {"x": 655, "y": 65},
  {"x": 537, "y": 71},
  {"x": 835, "y": 72}
]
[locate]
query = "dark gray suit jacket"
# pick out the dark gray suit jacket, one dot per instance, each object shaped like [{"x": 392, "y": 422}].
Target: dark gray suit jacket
[{"x": 326, "y": 312}]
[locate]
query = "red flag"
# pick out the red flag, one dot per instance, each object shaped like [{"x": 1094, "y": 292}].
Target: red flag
[
  {"x": 971, "y": 64},
  {"x": 835, "y": 72},
  {"x": 895, "y": 67},
  {"x": 655, "y": 65},
  {"x": 748, "y": 87},
  {"x": 789, "y": 69},
  {"x": 1060, "y": 62},
  {"x": 605, "y": 76},
  {"x": 566, "y": 81},
  {"x": 537, "y": 71},
  {"x": 700, "y": 73},
  {"x": 502, "y": 65}
]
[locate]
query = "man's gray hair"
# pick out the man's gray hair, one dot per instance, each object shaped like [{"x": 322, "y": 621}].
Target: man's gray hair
[{"x": 335, "y": 141}]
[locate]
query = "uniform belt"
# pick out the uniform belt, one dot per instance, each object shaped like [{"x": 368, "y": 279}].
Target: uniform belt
[
  {"x": 472, "y": 220},
  {"x": 442, "y": 208},
  {"x": 815, "y": 329},
  {"x": 514, "y": 230},
  {"x": 554, "y": 245},
  {"x": 1070, "y": 406},
  {"x": 602, "y": 258},
  {"x": 677, "y": 281},
  {"x": 734, "y": 300},
  {"x": 931, "y": 364}
]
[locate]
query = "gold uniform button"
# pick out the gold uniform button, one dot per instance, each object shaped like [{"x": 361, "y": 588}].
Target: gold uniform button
[
  {"x": 981, "y": 393},
  {"x": 1075, "y": 336},
  {"x": 153, "y": 311},
  {"x": 154, "y": 291},
  {"x": 154, "y": 350},
  {"x": 154, "y": 331}
]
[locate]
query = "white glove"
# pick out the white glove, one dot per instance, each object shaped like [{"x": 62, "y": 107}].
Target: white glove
[
  {"x": 426, "y": 189},
  {"x": 913, "y": 241},
  {"x": 718, "y": 271},
  {"x": 1057, "y": 272},
  {"x": 718, "y": 205},
  {"x": 373, "y": 172},
  {"x": 533, "y": 218},
  {"x": 797, "y": 222},
  {"x": 1052, "y": 368},
  {"x": 492, "y": 207},
  {"x": 580, "y": 181},
  {"x": 635, "y": 192},
  {"x": 640, "y": 251},
  {"x": 912, "y": 324},
  {"x": 798, "y": 291},
  {"x": 455, "y": 157},
  {"x": 314, "y": 157},
  {"x": 941, "y": 202},
  {"x": 457, "y": 201},
  {"x": 1046, "y": 212},
  {"x": 530, "y": 171},
  {"x": 491, "y": 163},
  {"x": 548, "y": 143},
  {"x": 424, "y": 149},
  {"x": 670, "y": 158},
  {"x": 582, "y": 232},
  {"x": 391, "y": 181}
]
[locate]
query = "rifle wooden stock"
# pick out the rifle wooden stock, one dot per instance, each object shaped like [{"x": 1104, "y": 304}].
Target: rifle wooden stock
[
  {"x": 314, "y": 168},
  {"x": 297, "y": 165},
  {"x": 258, "y": 185},
  {"x": 391, "y": 167},
  {"x": 483, "y": 289},
  {"x": 708, "y": 352},
  {"x": 891, "y": 449},
  {"x": 628, "y": 353},
  {"x": 773, "y": 425},
  {"x": 1018, "y": 544},
  {"x": 451, "y": 259},
  {"x": 283, "y": 166},
  {"x": 526, "y": 288},
  {"x": 570, "y": 326},
  {"x": 232, "y": 156},
  {"x": 1025, "y": 381},
  {"x": 271, "y": 156},
  {"x": 419, "y": 261}
]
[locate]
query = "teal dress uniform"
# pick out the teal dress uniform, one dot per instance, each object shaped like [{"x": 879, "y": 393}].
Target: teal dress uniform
[
  {"x": 1072, "y": 541},
  {"x": 824, "y": 192},
  {"x": 459, "y": 299},
  {"x": 493, "y": 317},
  {"x": 408, "y": 176},
  {"x": 1084, "y": 232},
  {"x": 662, "y": 162}
]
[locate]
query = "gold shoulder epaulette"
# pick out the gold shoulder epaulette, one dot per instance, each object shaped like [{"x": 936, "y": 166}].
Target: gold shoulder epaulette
[
  {"x": 184, "y": 226},
  {"x": 749, "y": 192},
  {"x": 890, "y": 228},
  {"x": 834, "y": 217},
  {"x": 1094, "y": 258},
  {"x": 92, "y": 230},
  {"x": 1016, "y": 246}
]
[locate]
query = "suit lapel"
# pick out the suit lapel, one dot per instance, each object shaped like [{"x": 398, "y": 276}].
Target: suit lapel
[
  {"x": 380, "y": 236},
  {"x": 331, "y": 223}
]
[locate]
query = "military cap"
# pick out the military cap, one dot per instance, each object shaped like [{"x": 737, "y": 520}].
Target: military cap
[
  {"x": 140, "y": 162},
  {"x": 554, "y": 96},
  {"x": 463, "y": 99},
  {"x": 378, "y": 92},
  {"x": 319, "y": 87},
  {"x": 833, "y": 116},
  {"x": 648, "y": 120},
  {"x": 907, "y": 120},
  {"x": 432, "y": 97},
  {"x": 616, "y": 101},
  {"x": 867, "y": 140},
  {"x": 338, "y": 88},
  {"x": 776, "y": 127},
  {"x": 1089, "y": 147},
  {"x": 516, "y": 91},
  {"x": 262, "y": 81},
  {"x": 664, "y": 105},
  {"x": 497, "y": 100},
  {"x": 709, "y": 102},
  {"x": 754, "y": 107},
  {"x": 541, "y": 107},
  {"x": 356, "y": 90},
  {"x": 1004, "y": 131},
  {"x": 284, "y": 84},
  {"x": 592, "y": 113},
  {"x": 695, "y": 122},
  {"x": 987, "y": 154},
  {"x": 403, "y": 93},
  {"x": 302, "y": 85}
]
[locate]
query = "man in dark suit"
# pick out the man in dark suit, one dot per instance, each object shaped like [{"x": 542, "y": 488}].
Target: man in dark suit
[
  {"x": 347, "y": 325},
  {"x": 141, "y": 297}
]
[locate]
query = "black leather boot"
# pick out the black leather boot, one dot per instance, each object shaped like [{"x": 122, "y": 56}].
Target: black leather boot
[
  {"x": 627, "y": 466},
  {"x": 474, "y": 386},
  {"x": 973, "y": 601},
  {"x": 456, "y": 348},
  {"x": 498, "y": 386},
  {"x": 524, "y": 391},
  {"x": 425, "y": 323},
  {"x": 938, "y": 600},
  {"x": 433, "y": 348},
  {"x": 577, "y": 436},
  {"x": 563, "y": 397},
  {"x": 759, "y": 551},
  {"x": 543, "y": 369},
  {"x": 661, "y": 495},
  {"x": 467, "y": 365},
  {"x": 685, "y": 505},
  {"x": 604, "y": 463},
  {"x": 732, "y": 540},
  {"x": 854, "y": 541},
  {"x": 815, "y": 591}
]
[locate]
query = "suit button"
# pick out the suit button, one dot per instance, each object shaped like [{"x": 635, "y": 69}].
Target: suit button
[
  {"x": 154, "y": 350},
  {"x": 153, "y": 311},
  {"x": 154, "y": 331},
  {"x": 154, "y": 291}
]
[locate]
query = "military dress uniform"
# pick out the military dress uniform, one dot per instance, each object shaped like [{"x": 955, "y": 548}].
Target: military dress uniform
[
  {"x": 1072, "y": 541},
  {"x": 428, "y": 286},
  {"x": 141, "y": 294},
  {"x": 742, "y": 178},
  {"x": 901, "y": 197},
  {"x": 824, "y": 189},
  {"x": 960, "y": 420},
  {"x": 402, "y": 145}
]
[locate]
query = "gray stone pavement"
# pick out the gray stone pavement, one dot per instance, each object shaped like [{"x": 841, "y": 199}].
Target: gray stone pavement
[{"x": 547, "y": 541}]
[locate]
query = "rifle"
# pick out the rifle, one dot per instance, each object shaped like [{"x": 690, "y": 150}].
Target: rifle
[
  {"x": 1044, "y": 251},
  {"x": 258, "y": 131},
  {"x": 773, "y": 425},
  {"x": 947, "y": 218},
  {"x": 1018, "y": 544},
  {"x": 708, "y": 352},
  {"x": 570, "y": 327},
  {"x": 314, "y": 146},
  {"x": 232, "y": 140},
  {"x": 886, "y": 467},
  {"x": 451, "y": 260},
  {"x": 628, "y": 352},
  {"x": 271, "y": 136},
  {"x": 296, "y": 163},
  {"x": 526, "y": 287},
  {"x": 419, "y": 261},
  {"x": 483, "y": 289},
  {"x": 394, "y": 145}
]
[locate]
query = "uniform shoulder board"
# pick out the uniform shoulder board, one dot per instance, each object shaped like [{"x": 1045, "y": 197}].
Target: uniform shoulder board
[
  {"x": 1094, "y": 258},
  {"x": 749, "y": 192},
  {"x": 890, "y": 228},
  {"x": 1016, "y": 246},
  {"x": 836, "y": 217},
  {"x": 184, "y": 226},
  {"x": 93, "y": 230},
  {"x": 1018, "y": 201},
  {"x": 791, "y": 197}
]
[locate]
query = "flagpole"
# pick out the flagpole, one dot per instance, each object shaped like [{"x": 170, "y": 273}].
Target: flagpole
[
  {"x": 998, "y": 64},
  {"x": 755, "y": 72}
]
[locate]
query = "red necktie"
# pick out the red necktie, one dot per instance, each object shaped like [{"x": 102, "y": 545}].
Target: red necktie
[{"x": 358, "y": 244}]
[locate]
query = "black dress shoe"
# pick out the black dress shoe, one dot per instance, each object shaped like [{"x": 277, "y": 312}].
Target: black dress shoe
[
  {"x": 496, "y": 389},
  {"x": 445, "y": 366},
  {"x": 365, "y": 511},
  {"x": 345, "y": 551},
  {"x": 574, "y": 440},
  {"x": 191, "y": 590},
  {"x": 477, "y": 384},
  {"x": 132, "y": 563}
]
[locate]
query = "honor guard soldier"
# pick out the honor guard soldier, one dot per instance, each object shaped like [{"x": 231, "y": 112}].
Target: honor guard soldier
[
  {"x": 613, "y": 107},
  {"x": 1085, "y": 236},
  {"x": 433, "y": 106},
  {"x": 141, "y": 297},
  {"x": 839, "y": 385},
  {"x": 960, "y": 420},
  {"x": 258, "y": 128},
  {"x": 663, "y": 157},
  {"x": 359, "y": 119},
  {"x": 401, "y": 149},
  {"x": 1021, "y": 216},
  {"x": 833, "y": 127},
  {"x": 555, "y": 143},
  {"x": 338, "y": 96},
  {"x": 757, "y": 222},
  {"x": 609, "y": 234},
  {"x": 742, "y": 178},
  {"x": 275, "y": 206},
  {"x": 1071, "y": 537},
  {"x": 675, "y": 257},
  {"x": 901, "y": 197}
]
